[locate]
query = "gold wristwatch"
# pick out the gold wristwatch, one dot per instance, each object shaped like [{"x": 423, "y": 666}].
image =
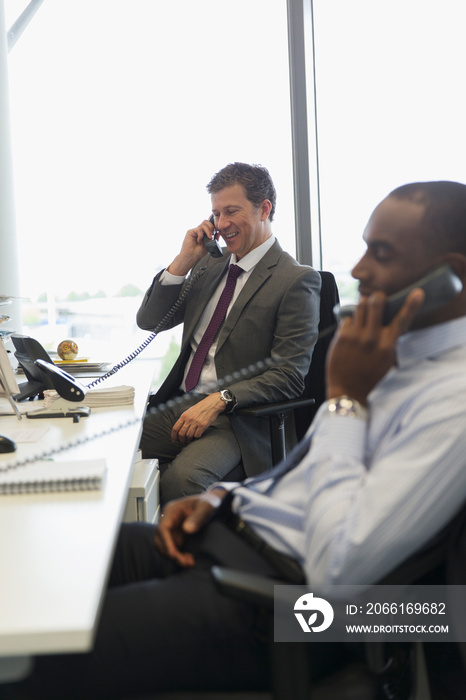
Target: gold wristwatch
[{"x": 346, "y": 406}]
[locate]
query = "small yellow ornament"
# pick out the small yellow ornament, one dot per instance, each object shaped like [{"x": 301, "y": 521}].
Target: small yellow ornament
[{"x": 67, "y": 350}]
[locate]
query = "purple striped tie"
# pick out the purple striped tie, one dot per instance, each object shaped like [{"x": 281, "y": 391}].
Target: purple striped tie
[{"x": 194, "y": 372}]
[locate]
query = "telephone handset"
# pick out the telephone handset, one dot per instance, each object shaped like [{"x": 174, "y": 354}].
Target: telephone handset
[
  {"x": 64, "y": 383},
  {"x": 214, "y": 249},
  {"x": 212, "y": 245},
  {"x": 440, "y": 286}
]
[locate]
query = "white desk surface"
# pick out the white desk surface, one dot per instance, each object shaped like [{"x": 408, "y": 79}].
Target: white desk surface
[{"x": 55, "y": 549}]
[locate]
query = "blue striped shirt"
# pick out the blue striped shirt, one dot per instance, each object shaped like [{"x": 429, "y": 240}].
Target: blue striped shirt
[{"x": 371, "y": 492}]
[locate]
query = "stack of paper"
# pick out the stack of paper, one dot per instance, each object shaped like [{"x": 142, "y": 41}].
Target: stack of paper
[
  {"x": 114, "y": 396},
  {"x": 96, "y": 398},
  {"x": 83, "y": 365}
]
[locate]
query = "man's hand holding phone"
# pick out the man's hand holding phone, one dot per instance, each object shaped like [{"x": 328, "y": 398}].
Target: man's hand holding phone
[
  {"x": 194, "y": 248},
  {"x": 363, "y": 349}
]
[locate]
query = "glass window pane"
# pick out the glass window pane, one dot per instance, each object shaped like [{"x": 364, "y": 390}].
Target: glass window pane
[
  {"x": 390, "y": 108},
  {"x": 122, "y": 110}
]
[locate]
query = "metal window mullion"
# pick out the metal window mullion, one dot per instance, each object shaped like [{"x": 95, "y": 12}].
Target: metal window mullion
[{"x": 304, "y": 131}]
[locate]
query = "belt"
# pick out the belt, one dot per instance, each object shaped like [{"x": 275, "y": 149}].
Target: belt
[{"x": 286, "y": 566}]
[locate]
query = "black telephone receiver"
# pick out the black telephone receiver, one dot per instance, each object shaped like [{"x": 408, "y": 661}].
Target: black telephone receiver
[
  {"x": 64, "y": 383},
  {"x": 212, "y": 245},
  {"x": 440, "y": 286}
]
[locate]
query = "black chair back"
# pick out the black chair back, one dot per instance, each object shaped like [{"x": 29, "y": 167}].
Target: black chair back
[{"x": 315, "y": 380}]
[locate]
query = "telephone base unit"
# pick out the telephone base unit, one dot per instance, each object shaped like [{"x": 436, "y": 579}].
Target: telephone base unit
[{"x": 143, "y": 497}]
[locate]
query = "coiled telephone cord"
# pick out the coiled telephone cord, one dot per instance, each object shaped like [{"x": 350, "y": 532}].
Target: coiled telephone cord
[{"x": 158, "y": 329}]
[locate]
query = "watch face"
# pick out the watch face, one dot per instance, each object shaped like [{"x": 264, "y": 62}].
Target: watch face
[{"x": 229, "y": 399}]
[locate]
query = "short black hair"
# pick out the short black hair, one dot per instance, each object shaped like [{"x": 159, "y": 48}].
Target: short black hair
[
  {"x": 444, "y": 214},
  {"x": 255, "y": 179}
]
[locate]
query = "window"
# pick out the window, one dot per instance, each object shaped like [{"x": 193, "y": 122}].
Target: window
[
  {"x": 122, "y": 110},
  {"x": 390, "y": 109}
]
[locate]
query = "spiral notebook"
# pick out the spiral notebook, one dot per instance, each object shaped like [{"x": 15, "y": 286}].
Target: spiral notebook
[{"x": 53, "y": 477}]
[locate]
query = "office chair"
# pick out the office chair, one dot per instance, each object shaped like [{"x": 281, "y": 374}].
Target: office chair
[
  {"x": 391, "y": 671},
  {"x": 303, "y": 408}
]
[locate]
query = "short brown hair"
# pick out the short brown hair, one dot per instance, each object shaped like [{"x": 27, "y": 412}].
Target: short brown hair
[{"x": 255, "y": 179}]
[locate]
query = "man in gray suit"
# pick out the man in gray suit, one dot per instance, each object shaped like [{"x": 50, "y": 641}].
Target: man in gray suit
[{"x": 271, "y": 311}]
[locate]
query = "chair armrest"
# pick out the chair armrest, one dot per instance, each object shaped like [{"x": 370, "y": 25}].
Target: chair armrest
[
  {"x": 271, "y": 409},
  {"x": 251, "y": 588},
  {"x": 277, "y": 414}
]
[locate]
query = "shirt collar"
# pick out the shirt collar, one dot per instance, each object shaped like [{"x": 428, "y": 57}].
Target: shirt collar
[
  {"x": 428, "y": 342},
  {"x": 251, "y": 259}
]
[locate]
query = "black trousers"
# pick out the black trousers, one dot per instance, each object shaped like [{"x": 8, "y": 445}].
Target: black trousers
[{"x": 162, "y": 627}]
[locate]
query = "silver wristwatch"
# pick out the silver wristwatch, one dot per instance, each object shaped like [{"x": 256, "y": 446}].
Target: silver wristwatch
[
  {"x": 346, "y": 406},
  {"x": 229, "y": 399}
]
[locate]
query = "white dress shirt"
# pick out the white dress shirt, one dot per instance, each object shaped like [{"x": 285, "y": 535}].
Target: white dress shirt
[
  {"x": 208, "y": 375},
  {"x": 371, "y": 492}
]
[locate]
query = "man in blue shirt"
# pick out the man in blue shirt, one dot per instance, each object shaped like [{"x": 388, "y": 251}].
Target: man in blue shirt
[{"x": 384, "y": 472}]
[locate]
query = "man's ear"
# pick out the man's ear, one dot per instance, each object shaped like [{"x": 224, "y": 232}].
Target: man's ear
[{"x": 266, "y": 208}]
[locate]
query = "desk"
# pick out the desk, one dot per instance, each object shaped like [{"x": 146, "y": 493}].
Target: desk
[{"x": 55, "y": 549}]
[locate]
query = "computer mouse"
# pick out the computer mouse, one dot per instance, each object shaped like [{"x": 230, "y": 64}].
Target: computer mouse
[{"x": 6, "y": 444}]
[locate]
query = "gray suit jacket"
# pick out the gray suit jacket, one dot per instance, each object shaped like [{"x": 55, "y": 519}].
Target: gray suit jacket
[{"x": 275, "y": 316}]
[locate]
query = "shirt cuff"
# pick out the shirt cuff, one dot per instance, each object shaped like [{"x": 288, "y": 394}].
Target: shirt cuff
[
  {"x": 225, "y": 485},
  {"x": 345, "y": 435},
  {"x": 166, "y": 279}
]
